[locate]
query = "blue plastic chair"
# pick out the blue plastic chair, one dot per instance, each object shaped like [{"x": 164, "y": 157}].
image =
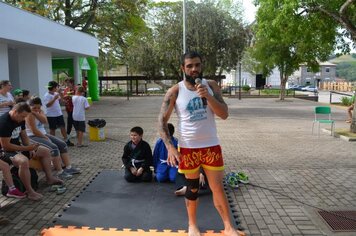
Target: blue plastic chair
[{"x": 323, "y": 116}]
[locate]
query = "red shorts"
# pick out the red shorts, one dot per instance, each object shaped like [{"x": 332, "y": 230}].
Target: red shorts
[{"x": 192, "y": 158}]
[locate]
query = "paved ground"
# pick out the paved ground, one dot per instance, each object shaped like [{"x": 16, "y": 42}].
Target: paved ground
[{"x": 292, "y": 171}]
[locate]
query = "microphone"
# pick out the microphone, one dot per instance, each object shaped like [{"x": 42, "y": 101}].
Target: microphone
[{"x": 198, "y": 81}]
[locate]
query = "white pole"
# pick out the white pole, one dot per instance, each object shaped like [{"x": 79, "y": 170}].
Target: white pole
[{"x": 184, "y": 28}]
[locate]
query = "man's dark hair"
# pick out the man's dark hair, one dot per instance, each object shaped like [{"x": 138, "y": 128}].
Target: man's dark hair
[
  {"x": 52, "y": 85},
  {"x": 137, "y": 130},
  {"x": 171, "y": 129},
  {"x": 189, "y": 55},
  {"x": 25, "y": 92},
  {"x": 35, "y": 101},
  {"x": 22, "y": 107},
  {"x": 3, "y": 83}
]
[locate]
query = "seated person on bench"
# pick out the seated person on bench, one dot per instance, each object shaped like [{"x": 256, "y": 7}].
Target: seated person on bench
[{"x": 137, "y": 158}]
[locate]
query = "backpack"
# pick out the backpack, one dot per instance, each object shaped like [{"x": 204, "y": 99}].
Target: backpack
[{"x": 17, "y": 181}]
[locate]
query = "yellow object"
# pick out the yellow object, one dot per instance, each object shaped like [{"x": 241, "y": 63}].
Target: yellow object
[
  {"x": 75, "y": 231},
  {"x": 90, "y": 101},
  {"x": 96, "y": 134},
  {"x": 35, "y": 164}
]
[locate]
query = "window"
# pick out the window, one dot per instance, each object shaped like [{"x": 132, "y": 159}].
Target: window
[{"x": 327, "y": 69}]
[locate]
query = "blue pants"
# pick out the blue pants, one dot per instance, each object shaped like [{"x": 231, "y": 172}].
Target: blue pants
[{"x": 165, "y": 173}]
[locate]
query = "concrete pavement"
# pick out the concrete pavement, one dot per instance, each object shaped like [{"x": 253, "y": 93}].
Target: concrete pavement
[{"x": 292, "y": 173}]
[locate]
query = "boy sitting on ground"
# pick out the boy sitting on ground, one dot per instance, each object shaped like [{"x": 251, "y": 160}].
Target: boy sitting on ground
[{"x": 137, "y": 158}]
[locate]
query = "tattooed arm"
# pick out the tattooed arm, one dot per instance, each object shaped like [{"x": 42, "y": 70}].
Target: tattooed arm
[
  {"x": 166, "y": 111},
  {"x": 216, "y": 102}
]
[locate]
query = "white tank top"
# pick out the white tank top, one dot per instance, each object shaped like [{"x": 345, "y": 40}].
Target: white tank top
[
  {"x": 196, "y": 123},
  {"x": 40, "y": 127}
]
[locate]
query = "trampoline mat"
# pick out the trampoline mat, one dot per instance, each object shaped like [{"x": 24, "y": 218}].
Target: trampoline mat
[{"x": 109, "y": 201}]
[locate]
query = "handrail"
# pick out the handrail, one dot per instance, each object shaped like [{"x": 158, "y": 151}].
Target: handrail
[{"x": 331, "y": 93}]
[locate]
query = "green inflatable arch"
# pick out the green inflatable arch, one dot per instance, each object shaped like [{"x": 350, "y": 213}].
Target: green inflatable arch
[{"x": 66, "y": 64}]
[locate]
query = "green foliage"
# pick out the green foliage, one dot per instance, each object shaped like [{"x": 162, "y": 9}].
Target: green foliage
[
  {"x": 246, "y": 88},
  {"x": 111, "y": 21},
  {"x": 114, "y": 92},
  {"x": 212, "y": 30},
  {"x": 292, "y": 32},
  {"x": 346, "y": 101},
  {"x": 346, "y": 70}
]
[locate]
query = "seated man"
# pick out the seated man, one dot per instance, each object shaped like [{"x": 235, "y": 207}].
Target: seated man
[
  {"x": 137, "y": 158},
  {"x": 19, "y": 155},
  {"x": 164, "y": 172}
]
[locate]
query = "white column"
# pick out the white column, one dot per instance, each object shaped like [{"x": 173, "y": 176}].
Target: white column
[
  {"x": 35, "y": 70},
  {"x": 77, "y": 71},
  {"x": 4, "y": 62}
]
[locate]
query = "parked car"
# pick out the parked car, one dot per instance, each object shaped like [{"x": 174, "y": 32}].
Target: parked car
[
  {"x": 298, "y": 87},
  {"x": 153, "y": 89},
  {"x": 310, "y": 89}
]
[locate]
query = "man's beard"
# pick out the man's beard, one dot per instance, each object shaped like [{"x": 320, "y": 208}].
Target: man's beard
[{"x": 191, "y": 79}]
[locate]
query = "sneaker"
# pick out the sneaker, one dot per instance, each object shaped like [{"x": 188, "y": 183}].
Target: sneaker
[
  {"x": 59, "y": 189},
  {"x": 15, "y": 193},
  {"x": 243, "y": 178},
  {"x": 72, "y": 171},
  {"x": 69, "y": 143},
  {"x": 65, "y": 175}
]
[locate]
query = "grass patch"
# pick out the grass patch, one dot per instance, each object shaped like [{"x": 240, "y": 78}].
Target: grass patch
[{"x": 345, "y": 132}]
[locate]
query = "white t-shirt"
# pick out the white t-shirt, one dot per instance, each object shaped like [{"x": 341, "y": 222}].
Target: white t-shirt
[
  {"x": 3, "y": 99},
  {"x": 79, "y": 105},
  {"x": 54, "y": 110}
]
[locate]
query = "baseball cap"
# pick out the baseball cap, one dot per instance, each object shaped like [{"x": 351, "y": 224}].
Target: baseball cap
[
  {"x": 17, "y": 92},
  {"x": 52, "y": 84}
]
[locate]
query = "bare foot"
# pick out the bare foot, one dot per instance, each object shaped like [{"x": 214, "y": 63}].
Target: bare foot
[
  {"x": 181, "y": 191},
  {"x": 193, "y": 231},
  {"x": 34, "y": 196},
  {"x": 233, "y": 232},
  {"x": 348, "y": 121},
  {"x": 54, "y": 180}
]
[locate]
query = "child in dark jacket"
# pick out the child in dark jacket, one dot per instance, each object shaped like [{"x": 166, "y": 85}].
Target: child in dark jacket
[{"x": 137, "y": 158}]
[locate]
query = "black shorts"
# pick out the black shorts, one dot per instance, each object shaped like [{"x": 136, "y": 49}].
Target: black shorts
[
  {"x": 56, "y": 122},
  {"x": 79, "y": 125},
  {"x": 7, "y": 156}
]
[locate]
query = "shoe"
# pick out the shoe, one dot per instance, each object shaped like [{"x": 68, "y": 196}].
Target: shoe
[
  {"x": 54, "y": 187},
  {"x": 72, "y": 171},
  {"x": 65, "y": 175},
  {"x": 243, "y": 178},
  {"x": 82, "y": 145},
  {"x": 59, "y": 189},
  {"x": 15, "y": 193},
  {"x": 69, "y": 143}
]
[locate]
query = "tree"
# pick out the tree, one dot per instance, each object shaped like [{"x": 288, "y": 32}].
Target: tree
[
  {"x": 284, "y": 39},
  {"x": 111, "y": 21},
  {"x": 338, "y": 17},
  {"x": 211, "y": 30}
]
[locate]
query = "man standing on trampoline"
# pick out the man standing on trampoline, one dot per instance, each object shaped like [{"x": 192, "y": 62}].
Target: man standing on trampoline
[{"x": 196, "y": 102}]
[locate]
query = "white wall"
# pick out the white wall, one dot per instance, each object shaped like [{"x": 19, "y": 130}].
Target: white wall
[
  {"x": 22, "y": 26},
  {"x": 4, "y": 62},
  {"x": 35, "y": 70}
]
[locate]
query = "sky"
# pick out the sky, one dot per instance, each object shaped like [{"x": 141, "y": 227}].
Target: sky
[{"x": 249, "y": 8}]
